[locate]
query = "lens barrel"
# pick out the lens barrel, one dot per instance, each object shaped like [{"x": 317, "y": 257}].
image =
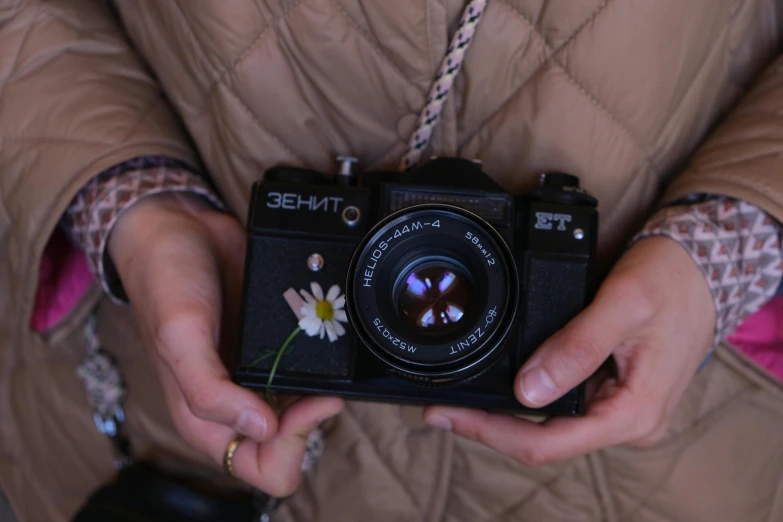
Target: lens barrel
[{"x": 432, "y": 292}]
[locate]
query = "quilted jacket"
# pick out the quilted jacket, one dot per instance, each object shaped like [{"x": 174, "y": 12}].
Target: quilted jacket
[{"x": 645, "y": 100}]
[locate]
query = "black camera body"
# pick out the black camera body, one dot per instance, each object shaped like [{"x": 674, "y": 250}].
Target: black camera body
[{"x": 450, "y": 282}]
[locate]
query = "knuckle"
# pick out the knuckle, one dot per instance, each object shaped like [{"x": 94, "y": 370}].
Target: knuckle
[
  {"x": 234, "y": 235},
  {"x": 589, "y": 353},
  {"x": 585, "y": 353},
  {"x": 531, "y": 457},
  {"x": 650, "y": 423},
  {"x": 284, "y": 485},
  {"x": 225, "y": 232},
  {"x": 651, "y": 440},
  {"x": 201, "y": 400},
  {"x": 637, "y": 295},
  {"x": 475, "y": 430}
]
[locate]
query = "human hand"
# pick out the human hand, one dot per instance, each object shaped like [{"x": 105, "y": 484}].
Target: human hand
[
  {"x": 655, "y": 316},
  {"x": 181, "y": 265}
]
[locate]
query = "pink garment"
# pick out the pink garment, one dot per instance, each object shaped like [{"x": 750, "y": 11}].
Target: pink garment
[
  {"x": 760, "y": 337},
  {"x": 64, "y": 277}
]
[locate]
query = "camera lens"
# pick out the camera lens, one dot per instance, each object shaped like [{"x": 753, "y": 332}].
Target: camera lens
[
  {"x": 433, "y": 297},
  {"x": 432, "y": 292}
]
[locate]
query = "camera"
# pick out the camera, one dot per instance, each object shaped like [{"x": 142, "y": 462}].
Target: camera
[{"x": 450, "y": 282}]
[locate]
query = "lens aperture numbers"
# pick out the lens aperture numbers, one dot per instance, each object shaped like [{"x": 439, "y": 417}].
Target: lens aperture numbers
[
  {"x": 473, "y": 238},
  {"x": 391, "y": 338}
]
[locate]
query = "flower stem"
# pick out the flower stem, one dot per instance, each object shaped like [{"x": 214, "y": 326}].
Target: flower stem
[
  {"x": 266, "y": 355},
  {"x": 277, "y": 359}
]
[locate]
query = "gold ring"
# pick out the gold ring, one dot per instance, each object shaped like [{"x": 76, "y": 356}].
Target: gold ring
[{"x": 228, "y": 456}]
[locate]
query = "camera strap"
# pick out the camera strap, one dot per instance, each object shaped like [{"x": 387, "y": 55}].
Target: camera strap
[
  {"x": 106, "y": 392},
  {"x": 444, "y": 81}
]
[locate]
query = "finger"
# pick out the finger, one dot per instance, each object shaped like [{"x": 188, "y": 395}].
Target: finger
[
  {"x": 183, "y": 297},
  {"x": 275, "y": 466},
  {"x": 208, "y": 437},
  {"x": 205, "y": 383},
  {"x": 574, "y": 353},
  {"x": 536, "y": 444}
]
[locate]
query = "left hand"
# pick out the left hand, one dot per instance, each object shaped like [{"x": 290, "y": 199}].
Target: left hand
[
  {"x": 654, "y": 314},
  {"x": 181, "y": 263}
]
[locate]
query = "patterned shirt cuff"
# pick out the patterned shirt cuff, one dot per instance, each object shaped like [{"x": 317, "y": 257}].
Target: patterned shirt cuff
[
  {"x": 99, "y": 205},
  {"x": 736, "y": 245}
]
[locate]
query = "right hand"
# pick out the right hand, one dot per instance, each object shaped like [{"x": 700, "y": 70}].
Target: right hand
[{"x": 181, "y": 264}]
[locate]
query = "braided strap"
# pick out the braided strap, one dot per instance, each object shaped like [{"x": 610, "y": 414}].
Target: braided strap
[{"x": 444, "y": 81}]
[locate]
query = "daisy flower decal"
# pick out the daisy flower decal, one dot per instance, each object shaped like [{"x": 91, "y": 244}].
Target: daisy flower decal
[
  {"x": 323, "y": 314},
  {"x": 318, "y": 314}
]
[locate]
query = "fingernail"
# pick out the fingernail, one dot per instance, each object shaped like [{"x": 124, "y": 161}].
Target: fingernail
[
  {"x": 439, "y": 421},
  {"x": 252, "y": 424},
  {"x": 538, "y": 387}
]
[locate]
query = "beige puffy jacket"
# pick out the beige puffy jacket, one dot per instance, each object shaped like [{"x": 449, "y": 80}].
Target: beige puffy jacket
[{"x": 623, "y": 93}]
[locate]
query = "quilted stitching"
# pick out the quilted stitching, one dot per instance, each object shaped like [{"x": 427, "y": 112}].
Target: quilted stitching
[
  {"x": 56, "y": 139},
  {"x": 527, "y": 497},
  {"x": 222, "y": 79},
  {"x": 367, "y": 439},
  {"x": 18, "y": 53},
  {"x": 186, "y": 23},
  {"x": 554, "y": 60},
  {"x": 643, "y": 503},
  {"x": 538, "y": 24},
  {"x": 5, "y": 219},
  {"x": 541, "y": 66},
  {"x": 374, "y": 46},
  {"x": 256, "y": 41},
  {"x": 254, "y": 118}
]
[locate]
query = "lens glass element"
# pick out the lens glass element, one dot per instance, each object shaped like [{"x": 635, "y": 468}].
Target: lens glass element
[{"x": 434, "y": 296}]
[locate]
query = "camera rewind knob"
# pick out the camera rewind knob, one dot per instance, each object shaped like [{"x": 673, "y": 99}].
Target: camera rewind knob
[
  {"x": 558, "y": 180},
  {"x": 563, "y": 189}
]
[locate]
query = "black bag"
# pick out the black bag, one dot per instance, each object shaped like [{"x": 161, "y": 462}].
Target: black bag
[{"x": 143, "y": 493}]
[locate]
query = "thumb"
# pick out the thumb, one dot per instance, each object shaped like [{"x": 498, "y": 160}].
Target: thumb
[{"x": 573, "y": 354}]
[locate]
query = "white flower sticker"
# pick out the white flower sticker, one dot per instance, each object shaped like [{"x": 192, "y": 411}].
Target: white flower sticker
[{"x": 323, "y": 314}]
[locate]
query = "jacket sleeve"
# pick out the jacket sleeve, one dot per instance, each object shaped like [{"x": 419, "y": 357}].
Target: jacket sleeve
[
  {"x": 74, "y": 100},
  {"x": 743, "y": 157}
]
